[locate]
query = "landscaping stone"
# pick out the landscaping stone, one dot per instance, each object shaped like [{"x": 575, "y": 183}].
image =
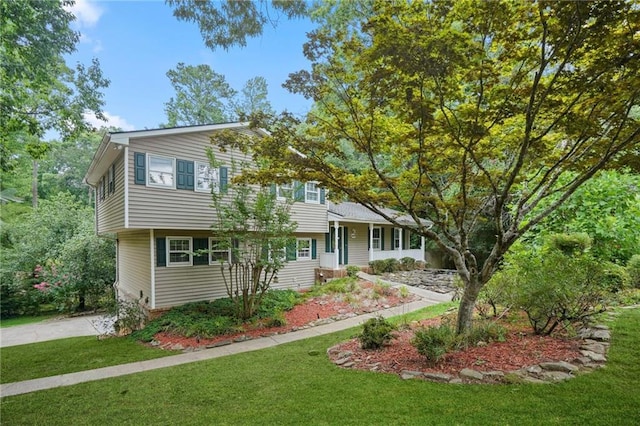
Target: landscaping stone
[
  {"x": 438, "y": 280},
  {"x": 559, "y": 366},
  {"x": 437, "y": 377},
  {"x": 468, "y": 373},
  {"x": 556, "y": 376},
  {"x": 406, "y": 374},
  {"x": 594, "y": 356}
]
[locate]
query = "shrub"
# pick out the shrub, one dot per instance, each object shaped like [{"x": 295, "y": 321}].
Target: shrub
[
  {"x": 376, "y": 332},
  {"x": 483, "y": 331},
  {"x": 338, "y": 285},
  {"x": 570, "y": 244},
  {"x": 379, "y": 267},
  {"x": 633, "y": 269},
  {"x": 277, "y": 301},
  {"x": 276, "y": 320},
  {"x": 616, "y": 277},
  {"x": 352, "y": 270},
  {"x": 381, "y": 289},
  {"x": 408, "y": 263},
  {"x": 434, "y": 342}
]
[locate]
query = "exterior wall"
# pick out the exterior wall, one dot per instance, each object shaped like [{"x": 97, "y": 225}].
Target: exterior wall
[
  {"x": 311, "y": 218},
  {"x": 177, "y": 285},
  {"x": 134, "y": 265},
  {"x": 110, "y": 206}
]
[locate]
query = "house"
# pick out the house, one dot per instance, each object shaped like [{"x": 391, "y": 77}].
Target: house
[{"x": 153, "y": 195}]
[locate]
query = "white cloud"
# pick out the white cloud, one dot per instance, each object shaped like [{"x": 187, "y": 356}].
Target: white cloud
[
  {"x": 112, "y": 121},
  {"x": 87, "y": 13}
]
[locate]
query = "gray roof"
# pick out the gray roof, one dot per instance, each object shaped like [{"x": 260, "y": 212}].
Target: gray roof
[{"x": 354, "y": 212}]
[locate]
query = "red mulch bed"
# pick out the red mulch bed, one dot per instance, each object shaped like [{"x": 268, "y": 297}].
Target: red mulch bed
[{"x": 520, "y": 349}]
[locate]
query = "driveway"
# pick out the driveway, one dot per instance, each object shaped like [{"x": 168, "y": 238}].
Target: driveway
[{"x": 56, "y": 328}]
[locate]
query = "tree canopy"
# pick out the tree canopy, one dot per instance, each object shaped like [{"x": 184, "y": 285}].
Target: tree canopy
[
  {"x": 39, "y": 91},
  {"x": 465, "y": 113}
]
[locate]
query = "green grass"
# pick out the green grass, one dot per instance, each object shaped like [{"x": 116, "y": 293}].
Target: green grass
[
  {"x": 284, "y": 385},
  {"x": 55, "y": 357},
  {"x": 10, "y": 322}
]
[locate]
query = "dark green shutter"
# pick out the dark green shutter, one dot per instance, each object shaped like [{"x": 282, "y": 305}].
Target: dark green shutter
[
  {"x": 185, "y": 174},
  {"x": 299, "y": 188},
  {"x": 112, "y": 184},
  {"x": 322, "y": 196},
  {"x": 314, "y": 249},
  {"x": 327, "y": 242},
  {"x": 140, "y": 165},
  {"x": 200, "y": 244},
  {"x": 161, "y": 252},
  {"x": 345, "y": 239},
  {"x": 403, "y": 241},
  {"x": 381, "y": 238},
  {"x": 292, "y": 250},
  {"x": 368, "y": 238},
  {"x": 224, "y": 180}
]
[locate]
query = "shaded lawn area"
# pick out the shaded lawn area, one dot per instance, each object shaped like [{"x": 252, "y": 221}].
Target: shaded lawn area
[
  {"x": 62, "y": 356},
  {"x": 285, "y": 385}
]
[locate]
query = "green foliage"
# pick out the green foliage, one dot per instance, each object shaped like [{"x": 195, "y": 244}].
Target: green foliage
[
  {"x": 615, "y": 277},
  {"x": 381, "y": 266},
  {"x": 408, "y": 263},
  {"x": 376, "y": 332},
  {"x": 353, "y": 270},
  {"x": 336, "y": 285},
  {"x": 552, "y": 287},
  {"x": 570, "y": 244},
  {"x": 434, "y": 342},
  {"x": 633, "y": 268}
]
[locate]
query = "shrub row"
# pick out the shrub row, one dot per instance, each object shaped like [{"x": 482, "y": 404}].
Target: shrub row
[{"x": 393, "y": 265}]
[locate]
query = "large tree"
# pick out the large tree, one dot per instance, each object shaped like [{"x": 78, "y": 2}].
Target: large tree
[
  {"x": 465, "y": 112},
  {"x": 39, "y": 91}
]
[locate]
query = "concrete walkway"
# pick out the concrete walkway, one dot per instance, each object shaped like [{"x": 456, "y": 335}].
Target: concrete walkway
[
  {"x": 27, "y": 386},
  {"x": 53, "y": 329}
]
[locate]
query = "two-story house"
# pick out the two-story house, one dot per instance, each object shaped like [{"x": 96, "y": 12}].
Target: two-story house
[{"x": 153, "y": 194}]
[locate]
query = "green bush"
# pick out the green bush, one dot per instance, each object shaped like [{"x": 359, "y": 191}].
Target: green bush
[
  {"x": 616, "y": 277},
  {"x": 278, "y": 301},
  {"x": 633, "y": 269},
  {"x": 408, "y": 263},
  {"x": 337, "y": 285},
  {"x": 381, "y": 266},
  {"x": 352, "y": 270},
  {"x": 376, "y": 332},
  {"x": 434, "y": 342},
  {"x": 570, "y": 244}
]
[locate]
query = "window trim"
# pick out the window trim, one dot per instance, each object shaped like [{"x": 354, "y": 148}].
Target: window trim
[
  {"x": 189, "y": 252},
  {"x": 298, "y": 241},
  {"x": 215, "y": 182},
  {"x": 173, "y": 172},
  {"x": 211, "y": 251},
  {"x": 378, "y": 238},
  {"x": 111, "y": 174},
  {"x": 397, "y": 239},
  {"x": 316, "y": 191}
]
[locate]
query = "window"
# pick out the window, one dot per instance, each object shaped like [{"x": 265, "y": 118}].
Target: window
[
  {"x": 284, "y": 191},
  {"x": 161, "y": 171},
  {"x": 206, "y": 178},
  {"x": 219, "y": 251},
  {"x": 179, "y": 251},
  {"x": 375, "y": 240},
  {"x": 312, "y": 193},
  {"x": 303, "y": 249},
  {"x": 397, "y": 243},
  {"x": 112, "y": 182}
]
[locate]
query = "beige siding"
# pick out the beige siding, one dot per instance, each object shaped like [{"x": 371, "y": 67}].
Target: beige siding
[
  {"x": 182, "y": 284},
  {"x": 134, "y": 264},
  {"x": 311, "y": 218},
  {"x": 358, "y": 247},
  {"x": 161, "y": 208},
  {"x": 110, "y": 210}
]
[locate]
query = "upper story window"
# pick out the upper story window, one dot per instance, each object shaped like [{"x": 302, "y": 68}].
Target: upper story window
[
  {"x": 179, "y": 251},
  {"x": 312, "y": 193},
  {"x": 161, "y": 171},
  {"x": 375, "y": 240},
  {"x": 207, "y": 178},
  {"x": 219, "y": 251},
  {"x": 284, "y": 191}
]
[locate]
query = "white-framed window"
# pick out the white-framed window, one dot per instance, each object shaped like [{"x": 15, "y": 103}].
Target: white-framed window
[
  {"x": 161, "y": 171},
  {"x": 219, "y": 251},
  {"x": 284, "y": 191},
  {"x": 179, "y": 251},
  {"x": 397, "y": 238},
  {"x": 207, "y": 178},
  {"x": 312, "y": 193},
  {"x": 303, "y": 248},
  {"x": 375, "y": 239}
]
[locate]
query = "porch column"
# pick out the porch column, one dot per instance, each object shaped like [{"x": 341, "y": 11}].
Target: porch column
[
  {"x": 370, "y": 242},
  {"x": 401, "y": 243},
  {"x": 422, "y": 249},
  {"x": 336, "y": 257}
]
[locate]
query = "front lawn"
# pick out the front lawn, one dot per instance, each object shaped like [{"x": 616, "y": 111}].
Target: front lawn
[
  {"x": 63, "y": 356},
  {"x": 286, "y": 385}
]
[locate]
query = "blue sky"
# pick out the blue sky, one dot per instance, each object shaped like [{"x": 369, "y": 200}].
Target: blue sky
[{"x": 137, "y": 42}]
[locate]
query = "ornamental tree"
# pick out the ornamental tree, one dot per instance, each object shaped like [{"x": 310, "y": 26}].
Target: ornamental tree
[{"x": 466, "y": 114}]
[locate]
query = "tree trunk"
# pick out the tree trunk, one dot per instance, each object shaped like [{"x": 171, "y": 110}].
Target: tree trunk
[
  {"x": 34, "y": 185},
  {"x": 467, "y": 304}
]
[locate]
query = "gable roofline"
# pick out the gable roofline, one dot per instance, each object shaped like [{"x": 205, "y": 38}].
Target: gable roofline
[{"x": 113, "y": 142}]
